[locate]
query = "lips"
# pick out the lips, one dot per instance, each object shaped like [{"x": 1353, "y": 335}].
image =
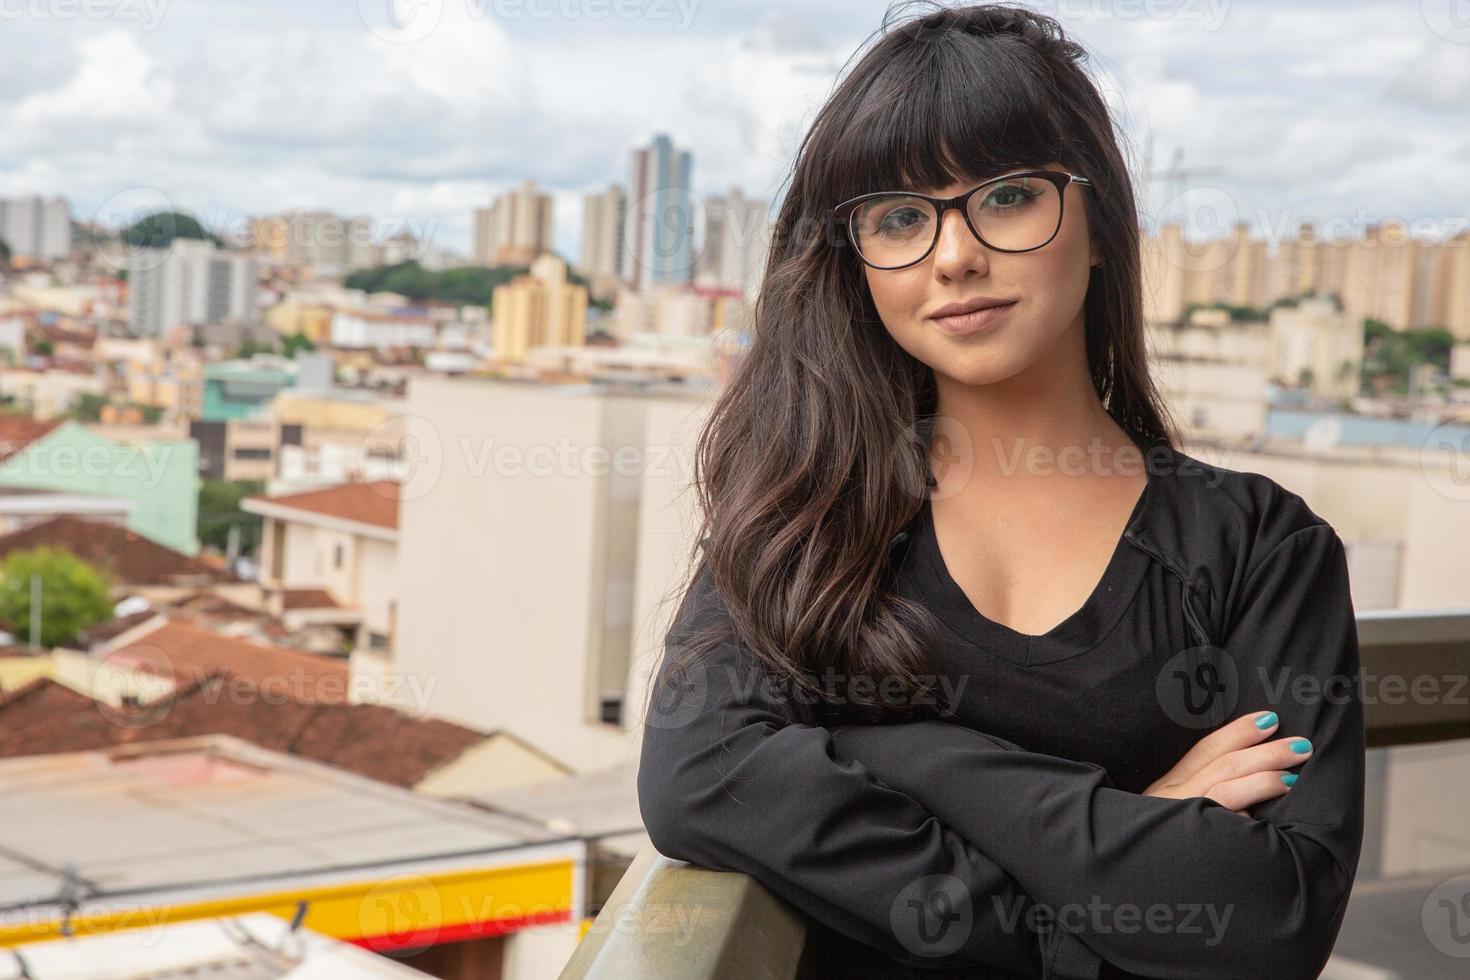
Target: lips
[
  {"x": 979, "y": 320},
  {"x": 962, "y": 307}
]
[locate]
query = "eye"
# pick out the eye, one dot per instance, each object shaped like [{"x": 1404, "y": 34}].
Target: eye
[
  {"x": 902, "y": 218},
  {"x": 1009, "y": 196}
]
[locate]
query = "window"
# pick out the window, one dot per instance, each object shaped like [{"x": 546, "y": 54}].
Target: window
[
  {"x": 337, "y": 555},
  {"x": 612, "y": 711}
]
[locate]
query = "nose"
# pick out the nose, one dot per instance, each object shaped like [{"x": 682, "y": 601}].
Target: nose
[{"x": 958, "y": 253}]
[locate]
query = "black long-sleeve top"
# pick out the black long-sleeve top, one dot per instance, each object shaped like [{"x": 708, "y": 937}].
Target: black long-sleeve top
[{"x": 1009, "y": 838}]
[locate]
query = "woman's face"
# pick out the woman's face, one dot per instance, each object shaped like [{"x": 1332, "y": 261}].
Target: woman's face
[{"x": 1047, "y": 285}]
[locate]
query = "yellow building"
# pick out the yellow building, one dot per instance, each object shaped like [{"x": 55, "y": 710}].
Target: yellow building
[
  {"x": 312, "y": 320},
  {"x": 538, "y": 309}
]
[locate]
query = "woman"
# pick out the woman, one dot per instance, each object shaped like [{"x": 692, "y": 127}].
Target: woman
[{"x": 976, "y": 668}]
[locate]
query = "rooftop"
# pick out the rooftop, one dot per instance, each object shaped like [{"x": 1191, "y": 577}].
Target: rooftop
[
  {"x": 374, "y": 503},
  {"x": 19, "y": 431},
  {"x": 163, "y": 824},
  {"x": 44, "y": 717},
  {"x": 187, "y": 652},
  {"x": 131, "y": 558}
]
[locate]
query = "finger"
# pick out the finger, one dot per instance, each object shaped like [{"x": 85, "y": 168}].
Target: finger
[
  {"x": 1237, "y": 794},
  {"x": 1283, "y": 753},
  {"x": 1236, "y": 734}
]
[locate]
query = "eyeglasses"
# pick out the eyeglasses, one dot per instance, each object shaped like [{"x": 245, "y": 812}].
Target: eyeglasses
[{"x": 1015, "y": 212}]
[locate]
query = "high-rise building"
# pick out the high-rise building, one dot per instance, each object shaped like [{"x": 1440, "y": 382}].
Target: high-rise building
[
  {"x": 538, "y": 309},
  {"x": 661, "y": 217},
  {"x": 603, "y": 216},
  {"x": 329, "y": 243},
  {"x": 737, "y": 234},
  {"x": 515, "y": 228},
  {"x": 35, "y": 228},
  {"x": 190, "y": 283}
]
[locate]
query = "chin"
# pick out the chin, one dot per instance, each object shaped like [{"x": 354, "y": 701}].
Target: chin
[{"x": 978, "y": 367}]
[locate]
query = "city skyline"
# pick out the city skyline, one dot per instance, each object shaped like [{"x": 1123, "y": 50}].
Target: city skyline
[{"x": 327, "y": 109}]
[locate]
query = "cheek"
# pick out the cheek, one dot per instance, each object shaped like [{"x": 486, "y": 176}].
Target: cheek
[{"x": 898, "y": 295}]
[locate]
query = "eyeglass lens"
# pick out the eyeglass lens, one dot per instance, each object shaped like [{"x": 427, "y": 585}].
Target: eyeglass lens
[{"x": 1016, "y": 214}]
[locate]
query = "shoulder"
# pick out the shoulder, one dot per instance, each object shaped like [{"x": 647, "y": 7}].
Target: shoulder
[{"x": 1215, "y": 526}]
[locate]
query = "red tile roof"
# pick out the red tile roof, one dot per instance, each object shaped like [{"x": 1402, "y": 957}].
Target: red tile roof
[
  {"x": 383, "y": 743},
  {"x": 308, "y": 599},
  {"x": 186, "y": 651},
  {"x": 19, "y": 431},
  {"x": 130, "y": 557},
  {"x": 374, "y": 502}
]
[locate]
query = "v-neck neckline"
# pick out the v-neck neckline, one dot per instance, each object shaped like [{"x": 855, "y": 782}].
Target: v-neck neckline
[{"x": 1081, "y": 631}]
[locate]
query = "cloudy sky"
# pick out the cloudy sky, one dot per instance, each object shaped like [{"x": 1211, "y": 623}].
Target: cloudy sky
[{"x": 417, "y": 111}]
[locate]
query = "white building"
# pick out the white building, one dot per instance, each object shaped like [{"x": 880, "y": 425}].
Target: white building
[
  {"x": 515, "y": 228},
  {"x": 539, "y": 533},
  {"x": 35, "y": 228},
  {"x": 190, "y": 283},
  {"x": 1316, "y": 341},
  {"x": 736, "y": 239},
  {"x": 659, "y": 243},
  {"x": 603, "y": 216},
  {"x": 381, "y": 329}
]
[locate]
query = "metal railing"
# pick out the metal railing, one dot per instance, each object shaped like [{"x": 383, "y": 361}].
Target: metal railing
[{"x": 670, "y": 919}]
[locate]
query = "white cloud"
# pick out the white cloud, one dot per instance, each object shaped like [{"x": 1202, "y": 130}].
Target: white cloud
[{"x": 240, "y": 107}]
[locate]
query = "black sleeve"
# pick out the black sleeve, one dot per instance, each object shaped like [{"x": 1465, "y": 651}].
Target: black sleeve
[
  {"x": 1229, "y": 895},
  {"x": 729, "y": 779}
]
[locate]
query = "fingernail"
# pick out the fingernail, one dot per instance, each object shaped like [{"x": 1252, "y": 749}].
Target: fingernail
[
  {"x": 1288, "y": 778},
  {"x": 1301, "y": 745},
  {"x": 1266, "y": 721}
]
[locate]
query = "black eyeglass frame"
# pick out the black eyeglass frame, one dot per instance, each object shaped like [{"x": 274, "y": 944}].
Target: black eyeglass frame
[{"x": 842, "y": 214}]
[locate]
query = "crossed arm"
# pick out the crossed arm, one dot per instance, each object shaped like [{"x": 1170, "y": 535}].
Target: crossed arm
[{"x": 1061, "y": 868}]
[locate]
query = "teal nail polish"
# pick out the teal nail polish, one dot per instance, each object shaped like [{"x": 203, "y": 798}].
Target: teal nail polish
[
  {"x": 1301, "y": 745},
  {"x": 1288, "y": 778},
  {"x": 1266, "y": 720}
]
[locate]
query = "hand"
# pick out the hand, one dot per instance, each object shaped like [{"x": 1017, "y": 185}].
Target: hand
[{"x": 1233, "y": 767}]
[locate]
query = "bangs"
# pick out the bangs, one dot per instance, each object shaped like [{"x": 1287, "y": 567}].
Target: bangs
[{"x": 959, "y": 108}]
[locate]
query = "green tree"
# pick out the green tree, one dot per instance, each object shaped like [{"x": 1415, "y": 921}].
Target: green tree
[
  {"x": 4, "y": 253},
  {"x": 89, "y": 406},
  {"x": 249, "y": 348},
  {"x": 473, "y": 285},
  {"x": 74, "y": 595},
  {"x": 219, "y": 510},
  {"x": 294, "y": 343},
  {"x": 161, "y": 229}
]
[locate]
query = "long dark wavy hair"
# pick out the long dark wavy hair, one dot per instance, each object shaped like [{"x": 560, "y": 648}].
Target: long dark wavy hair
[{"x": 814, "y": 456}]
